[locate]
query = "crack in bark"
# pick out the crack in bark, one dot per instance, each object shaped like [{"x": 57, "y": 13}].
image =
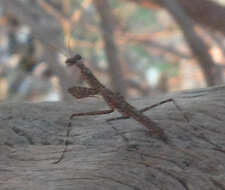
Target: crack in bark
[
  {"x": 126, "y": 140},
  {"x": 22, "y": 133},
  {"x": 210, "y": 129},
  {"x": 178, "y": 179},
  {"x": 205, "y": 139},
  {"x": 118, "y": 181},
  {"x": 219, "y": 149},
  {"x": 164, "y": 159},
  {"x": 218, "y": 184}
]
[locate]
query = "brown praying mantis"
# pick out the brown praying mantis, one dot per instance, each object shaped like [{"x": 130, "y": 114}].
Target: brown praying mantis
[{"x": 114, "y": 101}]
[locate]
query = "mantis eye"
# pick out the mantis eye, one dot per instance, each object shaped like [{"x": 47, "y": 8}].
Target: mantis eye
[
  {"x": 73, "y": 60},
  {"x": 77, "y": 57}
]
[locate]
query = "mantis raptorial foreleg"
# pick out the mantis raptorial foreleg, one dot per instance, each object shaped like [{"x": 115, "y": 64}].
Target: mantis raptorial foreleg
[{"x": 80, "y": 92}]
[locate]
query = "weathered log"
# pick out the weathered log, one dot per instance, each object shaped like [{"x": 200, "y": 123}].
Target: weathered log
[{"x": 120, "y": 155}]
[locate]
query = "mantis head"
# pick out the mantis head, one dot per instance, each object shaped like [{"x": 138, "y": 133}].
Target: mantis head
[{"x": 73, "y": 60}]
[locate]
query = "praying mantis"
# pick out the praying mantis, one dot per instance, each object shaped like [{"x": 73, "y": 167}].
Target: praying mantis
[{"x": 114, "y": 101}]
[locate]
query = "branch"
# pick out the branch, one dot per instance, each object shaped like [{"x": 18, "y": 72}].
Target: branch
[
  {"x": 112, "y": 52},
  {"x": 120, "y": 155},
  {"x": 199, "y": 48},
  {"x": 208, "y": 13}
]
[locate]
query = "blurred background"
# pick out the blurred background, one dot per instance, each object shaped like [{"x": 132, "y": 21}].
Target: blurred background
[{"x": 135, "y": 47}]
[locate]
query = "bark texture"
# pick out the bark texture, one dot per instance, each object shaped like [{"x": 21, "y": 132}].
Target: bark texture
[{"x": 120, "y": 155}]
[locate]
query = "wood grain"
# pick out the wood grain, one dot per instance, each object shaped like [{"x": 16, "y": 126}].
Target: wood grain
[{"x": 120, "y": 155}]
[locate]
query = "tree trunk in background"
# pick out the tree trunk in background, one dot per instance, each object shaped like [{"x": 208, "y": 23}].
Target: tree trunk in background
[
  {"x": 107, "y": 27},
  {"x": 205, "y": 12},
  {"x": 199, "y": 48}
]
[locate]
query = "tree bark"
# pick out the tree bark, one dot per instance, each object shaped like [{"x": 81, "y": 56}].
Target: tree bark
[{"x": 120, "y": 155}]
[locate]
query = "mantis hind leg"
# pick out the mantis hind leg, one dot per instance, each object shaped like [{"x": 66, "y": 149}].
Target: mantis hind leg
[
  {"x": 166, "y": 101},
  {"x": 117, "y": 118},
  {"x": 153, "y": 106}
]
